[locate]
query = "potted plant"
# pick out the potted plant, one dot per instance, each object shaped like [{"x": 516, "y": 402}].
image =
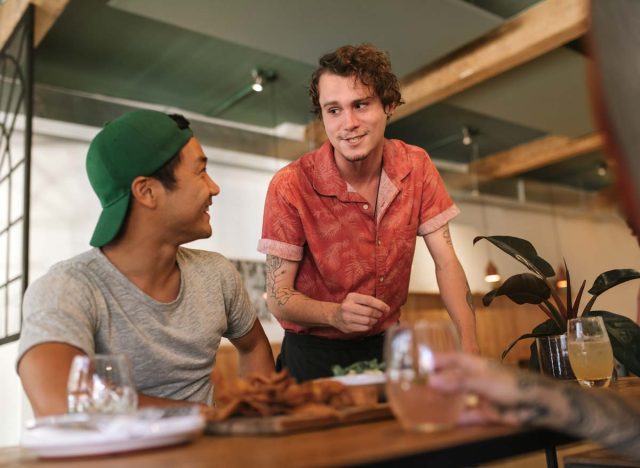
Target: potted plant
[{"x": 536, "y": 288}]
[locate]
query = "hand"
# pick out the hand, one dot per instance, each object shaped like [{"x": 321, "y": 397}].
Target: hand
[
  {"x": 358, "y": 313},
  {"x": 505, "y": 396}
]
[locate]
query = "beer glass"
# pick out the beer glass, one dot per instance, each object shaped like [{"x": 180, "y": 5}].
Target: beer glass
[
  {"x": 409, "y": 350},
  {"x": 590, "y": 351}
]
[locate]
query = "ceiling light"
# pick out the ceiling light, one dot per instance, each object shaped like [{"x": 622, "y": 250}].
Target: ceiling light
[
  {"x": 561, "y": 278},
  {"x": 491, "y": 273},
  {"x": 466, "y": 136},
  {"x": 257, "y": 80},
  {"x": 602, "y": 169}
]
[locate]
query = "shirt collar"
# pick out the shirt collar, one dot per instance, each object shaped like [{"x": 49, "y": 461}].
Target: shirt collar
[{"x": 328, "y": 181}]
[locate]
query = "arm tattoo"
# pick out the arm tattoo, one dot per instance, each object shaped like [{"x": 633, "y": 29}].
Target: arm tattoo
[
  {"x": 275, "y": 269},
  {"x": 529, "y": 409},
  {"x": 604, "y": 417},
  {"x": 599, "y": 415},
  {"x": 447, "y": 235},
  {"x": 470, "y": 299}
]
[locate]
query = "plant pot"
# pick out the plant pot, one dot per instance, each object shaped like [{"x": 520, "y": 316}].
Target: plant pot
[{"x": 553, "y": 357}]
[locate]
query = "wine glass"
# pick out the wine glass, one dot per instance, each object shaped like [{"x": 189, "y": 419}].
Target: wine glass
[
  {"x": 409, "y": 350},
  {"x": 102, "y": 384},
  {"x": 590, "y": 351}
]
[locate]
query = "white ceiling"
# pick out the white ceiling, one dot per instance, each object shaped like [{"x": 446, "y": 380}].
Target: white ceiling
[
  {"x": 414, "y": 32},
  {"x": 548, "y": 94}
]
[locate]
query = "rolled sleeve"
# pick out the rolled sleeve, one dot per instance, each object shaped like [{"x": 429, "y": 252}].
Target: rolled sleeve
[
  {"x": 280, "y": 249},
  {"x": 282, "y": 230},
  {"x": 438, "y": 221},
  {"x": 437, "y": 207}
]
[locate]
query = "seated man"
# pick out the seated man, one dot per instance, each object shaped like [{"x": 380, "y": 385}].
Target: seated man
[{"x": 137, "y": 291}]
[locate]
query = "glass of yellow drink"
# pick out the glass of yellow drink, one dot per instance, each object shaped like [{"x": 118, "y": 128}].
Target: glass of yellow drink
[
  {"x": 590, "y": 351},
  {"x": 409, "y": 350}
]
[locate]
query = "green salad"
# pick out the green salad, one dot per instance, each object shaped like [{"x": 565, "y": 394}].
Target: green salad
[{"x": 360, "y": 367}]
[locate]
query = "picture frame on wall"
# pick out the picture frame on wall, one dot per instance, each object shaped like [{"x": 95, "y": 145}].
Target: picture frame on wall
[{"x": 254, "y": 275}]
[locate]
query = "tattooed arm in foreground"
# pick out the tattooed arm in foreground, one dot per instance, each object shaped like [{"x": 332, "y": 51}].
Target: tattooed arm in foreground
[
  {"x": 453, "y": 286},
  {"x": 524, "y": 398},
  {"x": 356, "y": 313}
]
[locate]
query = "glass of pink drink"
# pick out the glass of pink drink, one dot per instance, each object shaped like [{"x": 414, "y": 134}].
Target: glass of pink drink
[{"x": 409, "y": 350}]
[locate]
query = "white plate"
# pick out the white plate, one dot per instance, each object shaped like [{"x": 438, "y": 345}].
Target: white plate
[
  {"x": 360, "y": 379},
  {"x": 118, "y": 434}
]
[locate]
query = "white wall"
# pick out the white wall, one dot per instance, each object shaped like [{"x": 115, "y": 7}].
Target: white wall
[
  {"x": 64, "y": 210},
  {"x": 590, "y": 247},
  {"x": 10, "y": 397}
]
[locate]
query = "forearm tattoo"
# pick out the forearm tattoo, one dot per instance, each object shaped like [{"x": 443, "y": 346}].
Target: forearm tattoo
[
  {"x": 604, "y": 417},
  {"x": 447, "y": 235},
  {"x": 470, "y": 299},
  {"x": 599, "y": 415},
  {"x": 528, "y": 410},
  {"x": 275, "y": 269}
]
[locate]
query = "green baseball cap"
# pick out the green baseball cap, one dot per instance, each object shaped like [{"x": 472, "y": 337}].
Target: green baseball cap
[{"x": 137, "y": 143}]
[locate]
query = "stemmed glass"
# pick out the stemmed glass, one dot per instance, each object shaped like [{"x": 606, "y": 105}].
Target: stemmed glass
[
  {"x": 590, "y": 351},
  {"x": 102, "y": 384},
  {"x": 409, "y": 351}
]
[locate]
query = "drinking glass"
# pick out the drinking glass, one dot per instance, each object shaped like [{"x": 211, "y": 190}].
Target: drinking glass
[
  {"x": 590, "y": 351},
  {"x": 553, "y": 356},
  {"x": 409, "y": 350},
  {"x": 102, "y": 384}
]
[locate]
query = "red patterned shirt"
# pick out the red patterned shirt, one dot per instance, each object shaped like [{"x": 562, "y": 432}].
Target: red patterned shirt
[{"x": 313, "y": 216}]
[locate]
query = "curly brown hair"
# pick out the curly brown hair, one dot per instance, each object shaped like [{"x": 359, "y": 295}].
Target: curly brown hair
[{"x": 366, "y": 63}]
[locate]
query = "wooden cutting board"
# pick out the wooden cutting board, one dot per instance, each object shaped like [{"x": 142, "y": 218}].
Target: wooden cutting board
[{"x": 286, "y": 424}]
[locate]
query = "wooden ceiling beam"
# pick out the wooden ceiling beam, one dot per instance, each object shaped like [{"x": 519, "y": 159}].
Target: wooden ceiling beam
[
  {"x": 534, "y": 155},
  {"x": 47, "y": 11},
  {"x": 538, "y": 30}
]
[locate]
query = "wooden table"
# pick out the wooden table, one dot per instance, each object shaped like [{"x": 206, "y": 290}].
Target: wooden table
[{"x": 376, "y": 443}]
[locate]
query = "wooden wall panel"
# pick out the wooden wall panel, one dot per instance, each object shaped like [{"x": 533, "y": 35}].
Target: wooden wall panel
[
  {"x": 227, "y": 360},
  {"x": 497, "y": 326}
]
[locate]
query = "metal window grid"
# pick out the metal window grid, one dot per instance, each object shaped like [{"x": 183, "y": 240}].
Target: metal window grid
[{"x": 16, "y": 105}]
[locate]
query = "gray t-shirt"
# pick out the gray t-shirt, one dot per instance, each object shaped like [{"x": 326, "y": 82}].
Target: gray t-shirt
[{"x": 87, "y": 303}]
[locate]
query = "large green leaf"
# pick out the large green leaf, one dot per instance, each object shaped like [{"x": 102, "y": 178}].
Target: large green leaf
[
  {"x": 523, "y": 251},
  {"x": 611, "y": 278},
  {"x": 624, "y": 335},
  {"x": 524, "y": 288},
  {"x": 608, "y": 280}
]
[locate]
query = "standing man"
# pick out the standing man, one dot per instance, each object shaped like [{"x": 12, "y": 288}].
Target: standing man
[
  {"x": 137, "y": 291},
  {"x": 340, "y": 224}
]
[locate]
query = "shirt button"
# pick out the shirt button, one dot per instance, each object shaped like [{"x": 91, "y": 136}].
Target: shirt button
[
  {"x": 365, "y": 207},
  {"x": 381, "y": 279},
  {"x": 379, "y": 242}
]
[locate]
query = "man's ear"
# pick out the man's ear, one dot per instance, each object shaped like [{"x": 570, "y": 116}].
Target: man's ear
[
  {"x": 389, "y": 110},
  {"x": 145, "y": 190}
]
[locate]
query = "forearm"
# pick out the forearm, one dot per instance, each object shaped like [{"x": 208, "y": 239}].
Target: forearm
[
  {"x": 458, "y": 300},
  {"x": 293, "y": 306},
  {"x": 258, "y": 360},
  {"x": 598, "y": 415},
  {"x": 357, "y": 313},
  {"x": 254, "y": 352},
  {"x": 287, "y": 303},
  {"x": 526, "y": 398}
]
